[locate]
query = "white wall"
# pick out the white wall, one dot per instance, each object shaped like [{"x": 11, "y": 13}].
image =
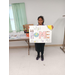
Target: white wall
[{"x": 52, "y": 10}]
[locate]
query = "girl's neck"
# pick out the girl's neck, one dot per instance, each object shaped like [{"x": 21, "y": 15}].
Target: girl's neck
[{"x": 39, "y": 24}]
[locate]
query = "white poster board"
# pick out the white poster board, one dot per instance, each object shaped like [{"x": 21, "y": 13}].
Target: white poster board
[{"x": 40, "y": 34}]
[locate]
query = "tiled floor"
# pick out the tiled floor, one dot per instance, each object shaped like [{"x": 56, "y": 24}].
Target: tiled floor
[{"x": 20, "y": 63}]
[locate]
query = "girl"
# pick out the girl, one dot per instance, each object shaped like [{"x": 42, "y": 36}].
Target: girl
[{"x": 40, "y": 46}]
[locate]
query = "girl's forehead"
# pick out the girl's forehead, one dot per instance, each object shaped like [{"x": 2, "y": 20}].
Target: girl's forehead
[{"x": 40, "y": 19}]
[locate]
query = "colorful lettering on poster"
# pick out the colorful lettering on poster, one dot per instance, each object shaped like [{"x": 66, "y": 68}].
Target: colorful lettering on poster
[
  {"x": 43, "y": 34},
  {"x": 32, "y": 34},
  {"x": 36, "y": 34}
]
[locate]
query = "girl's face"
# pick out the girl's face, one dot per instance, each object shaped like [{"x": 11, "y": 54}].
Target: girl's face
[{"x": 40, "y": 21}]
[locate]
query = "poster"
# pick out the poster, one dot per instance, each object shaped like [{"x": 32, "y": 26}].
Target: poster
[{"x": 40, "y": 34}]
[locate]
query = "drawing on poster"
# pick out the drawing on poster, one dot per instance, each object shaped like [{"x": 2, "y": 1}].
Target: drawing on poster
[{"x": 40, "y": 34}]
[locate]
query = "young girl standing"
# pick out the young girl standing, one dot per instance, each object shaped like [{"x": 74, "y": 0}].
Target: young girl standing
[{"x": 40, "y": 46}]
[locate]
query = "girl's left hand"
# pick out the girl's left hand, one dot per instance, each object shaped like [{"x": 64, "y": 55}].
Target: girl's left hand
[{"x": 52, "y": 26}]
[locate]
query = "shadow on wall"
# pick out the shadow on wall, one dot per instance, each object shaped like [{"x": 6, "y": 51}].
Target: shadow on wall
[
  {"x": 60, "y": 21},
  {"x": 58, "y": 31}
]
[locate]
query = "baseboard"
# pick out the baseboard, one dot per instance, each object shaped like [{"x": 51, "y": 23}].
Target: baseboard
[
  {"x": 34, "y": 46},
  {"x": 18, "y": 47}
]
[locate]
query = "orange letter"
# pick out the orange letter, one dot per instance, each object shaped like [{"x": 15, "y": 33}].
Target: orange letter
[{"x": 47, "y": 34}]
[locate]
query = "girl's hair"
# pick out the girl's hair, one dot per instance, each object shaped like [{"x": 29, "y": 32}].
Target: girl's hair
[{"x": 41, "y": 18}]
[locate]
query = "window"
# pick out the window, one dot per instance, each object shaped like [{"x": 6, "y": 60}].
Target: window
[{"x": 11, "y": 18}]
